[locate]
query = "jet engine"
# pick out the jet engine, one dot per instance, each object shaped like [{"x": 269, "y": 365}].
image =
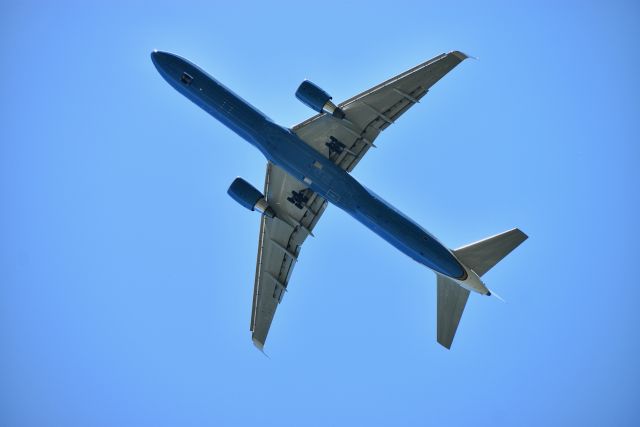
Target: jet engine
[
  {"x": 249, "y": 197},
  {"x": 317, "y": 99}
]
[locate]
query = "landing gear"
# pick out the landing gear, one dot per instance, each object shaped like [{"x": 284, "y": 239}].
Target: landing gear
[
  {"x": 334, "y": 146},
  {"x": 298, "y": 199}
]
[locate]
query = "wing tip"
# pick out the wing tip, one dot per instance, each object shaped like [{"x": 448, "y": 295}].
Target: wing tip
[
  {"x": 461, "y": 55},
  {"x": 260, "y": 346}
]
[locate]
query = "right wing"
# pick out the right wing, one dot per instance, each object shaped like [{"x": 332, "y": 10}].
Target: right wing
[
  {"x": 279, "y": 245},
  {"x": 370, "y": 112}
]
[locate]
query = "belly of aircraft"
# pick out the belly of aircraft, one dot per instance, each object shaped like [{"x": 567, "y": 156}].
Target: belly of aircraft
[
  {"x": 408, "y": 237},
  {"x": 341, "y": 189}
]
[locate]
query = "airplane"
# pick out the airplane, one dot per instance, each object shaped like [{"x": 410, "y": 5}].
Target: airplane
[{"x": 308, "y": 167}]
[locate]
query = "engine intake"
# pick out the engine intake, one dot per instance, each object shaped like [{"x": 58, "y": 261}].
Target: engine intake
[
  {"x": 317, "y": 99},
  {"x": 249, "y": 197}
]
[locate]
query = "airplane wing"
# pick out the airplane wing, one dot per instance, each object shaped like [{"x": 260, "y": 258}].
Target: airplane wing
[
  {"x": 369, "y": 113},
  {"x": 279, "y": 245}
]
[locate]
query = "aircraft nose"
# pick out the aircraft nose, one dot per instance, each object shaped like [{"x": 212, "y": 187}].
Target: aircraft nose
[
  {"x": 163, "y": 61},
  {"x": 156, "y": 57}
]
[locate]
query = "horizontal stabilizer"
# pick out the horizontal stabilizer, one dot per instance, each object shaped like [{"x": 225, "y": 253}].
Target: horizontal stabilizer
[
  {"x": 451, "y": 301},
  {"x": 481, "y": 256}
]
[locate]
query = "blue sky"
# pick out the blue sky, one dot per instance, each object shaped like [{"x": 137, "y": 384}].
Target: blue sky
[{"x": 126, "y": 272}]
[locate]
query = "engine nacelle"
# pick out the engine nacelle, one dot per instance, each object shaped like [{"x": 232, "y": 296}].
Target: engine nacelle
[
  {"x": 249, "y": 197},
  {"x": 317, "y": 99}
]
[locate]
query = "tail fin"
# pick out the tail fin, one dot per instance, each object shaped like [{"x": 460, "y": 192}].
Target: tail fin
[{"x": 480, "y": 257}]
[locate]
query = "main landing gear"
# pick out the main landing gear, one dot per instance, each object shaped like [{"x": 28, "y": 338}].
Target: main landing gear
[
  {"x": 334, "y": 146},
  {"x": 298, "y": 198}
]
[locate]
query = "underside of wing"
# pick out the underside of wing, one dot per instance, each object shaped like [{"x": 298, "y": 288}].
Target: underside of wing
[
  {"x": 279, "y": 244},
  {"x": 345, "y": 141}
]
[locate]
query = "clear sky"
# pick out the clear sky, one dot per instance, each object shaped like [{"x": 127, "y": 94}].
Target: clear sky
[{"x": 126, "y": 272}]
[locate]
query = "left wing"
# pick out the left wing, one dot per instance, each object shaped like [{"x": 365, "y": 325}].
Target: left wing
[
  {"x": 370, "y": 112},
  {"x": 279, "y": 245}
]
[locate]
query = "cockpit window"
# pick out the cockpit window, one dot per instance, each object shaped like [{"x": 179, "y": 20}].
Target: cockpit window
[{"x": 186, "y": 78}]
